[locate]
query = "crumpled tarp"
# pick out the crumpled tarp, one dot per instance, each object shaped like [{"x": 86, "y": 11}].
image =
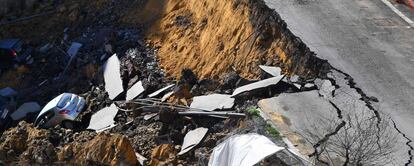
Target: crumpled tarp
[{"x": 243, "y": 150}]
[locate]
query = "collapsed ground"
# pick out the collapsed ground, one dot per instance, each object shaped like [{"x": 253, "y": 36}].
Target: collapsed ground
[{"x": 221, "y": 43}]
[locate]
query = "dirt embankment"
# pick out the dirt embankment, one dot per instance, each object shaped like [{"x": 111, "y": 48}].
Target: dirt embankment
[{"x": 216, "y": 37}]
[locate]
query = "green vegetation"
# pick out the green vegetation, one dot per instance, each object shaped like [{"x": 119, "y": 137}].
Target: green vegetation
[
  {"x": 272, "y": 131},
  {"x": 253, "y": 111}
]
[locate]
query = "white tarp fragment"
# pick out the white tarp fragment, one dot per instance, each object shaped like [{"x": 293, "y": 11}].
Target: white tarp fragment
[
  {"x": 135, "y": 90},
  {"x": 8, "y": 92},
  {"x": 73, "y": 49},
  {"x": 243, "y": 150},
  {"x": 25, "y": 108},
  {"x": 156, "y": 93},
  {"x": 212, "y": 102},
  {"x": 274, "y": 71},
  {"x": 103, "y": 119},
  {"x": 112, "y": 77},
  {"x": 192, "y": 139},
  {"x": 258, "y": 84}
]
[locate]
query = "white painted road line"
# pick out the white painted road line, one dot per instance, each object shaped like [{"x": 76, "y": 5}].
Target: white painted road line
[{"x": 399, "y": 13}]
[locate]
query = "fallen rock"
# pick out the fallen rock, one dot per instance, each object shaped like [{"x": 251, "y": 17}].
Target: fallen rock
[{"x": 104, "y": 149}]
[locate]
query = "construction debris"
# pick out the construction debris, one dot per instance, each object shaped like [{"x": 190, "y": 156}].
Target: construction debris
[
  {"x": 134, "y": 91},
  {"x": 243, "y": 150},
  {"x": 273, "y": 71},
  {"x": 212, "y": 102},
  {"x": 112, "y": 76},
  {"x": 8, "y": 92},
  {"x": 158, "y": 92},
  {"x": 192, "y": 139},
  {"x": 103, "y": 119},
  {"x": 257, "y": 85},
  {"x": 73, "y": 49}
]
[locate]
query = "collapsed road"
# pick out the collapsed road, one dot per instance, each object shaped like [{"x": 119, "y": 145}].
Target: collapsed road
[{"x": 173, "y": 82}]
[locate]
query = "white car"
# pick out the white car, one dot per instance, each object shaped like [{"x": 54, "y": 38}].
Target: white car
[{"x": 61, "y": 110}]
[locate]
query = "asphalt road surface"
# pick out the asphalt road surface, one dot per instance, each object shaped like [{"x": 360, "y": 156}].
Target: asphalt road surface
[{"x": 365, "y": 39}]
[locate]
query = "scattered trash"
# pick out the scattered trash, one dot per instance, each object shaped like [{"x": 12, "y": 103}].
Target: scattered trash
[
  {"x": 158, "y": 92},
  {"x": 103, "y": 119},
  {"x": 212, "y": 102},
  {"x": 259, "y": 84},
  {"x": 274, "y": 71},
  {"x": 134, "y": 91},
  {"x": 192, "y": 139},
  {"x": 243, "y": 150},
  {"x": 24, "y": 109},
  {"x": 112, "y": 77},
  {"x": 73, "y": 49},
  {"x": 8, "y": 92},
  {"x": 62, "y": 109}
]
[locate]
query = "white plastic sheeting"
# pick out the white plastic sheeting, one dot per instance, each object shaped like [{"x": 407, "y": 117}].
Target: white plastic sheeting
[
  {"x": 212, "y": 102},
  {"x": 257, "y": 85},
  {"x": 243, "y": 150},
  {"x": 112, "y": 77},
  {"x": 134, "y": 91}
]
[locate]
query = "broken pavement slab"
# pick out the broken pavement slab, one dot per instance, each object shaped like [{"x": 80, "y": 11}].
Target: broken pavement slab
[
  {"x": 8, "y": 92},
  {"x": 134, "y": 91},
  {"x": 24, "y": 109},
  {"x": 272, "y": 70},
  {"x": 212, "y": 102},
  {"x": 257, "y": 85},
  {"x": 158, "y": 92},
  {"x": 192, "y": 139},
  {"x": 103, "y": 119},
  {"x": 243, "y": 150},
  {"x": 291, "y": 113},
  {"x": 112, "y": 77},
  {"x": 74, "y": 49}
]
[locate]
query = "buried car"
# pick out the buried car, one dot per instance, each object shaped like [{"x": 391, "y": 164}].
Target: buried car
[
  {"x": 61, "y": 110},
  {"x": 14, "y": 51}
]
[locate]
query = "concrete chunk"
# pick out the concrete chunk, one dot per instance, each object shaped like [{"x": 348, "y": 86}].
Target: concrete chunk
[
  {"x": 212, "y": 102},
  {"x": 192, "y": 139},
  {"x": 274, "y": 71},
  {"x": 25, "y": 108},
  {"x": 257, "y": 85},
  {"x": 112, "y": 77},
  {"x": 103, "y": 119},
  {"x": 156, "y": 93},
  {"x": 135, "y": 90}
]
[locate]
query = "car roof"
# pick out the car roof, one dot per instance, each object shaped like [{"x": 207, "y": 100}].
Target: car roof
[
  {"x": 8, "y": 43},
  {"x": 53, "y": 103}
]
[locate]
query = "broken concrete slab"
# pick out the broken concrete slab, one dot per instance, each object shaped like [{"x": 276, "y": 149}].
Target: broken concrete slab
[
  {"x": 134, "y": 91},
  {"x": 272, "y": 70},
  {"x": 103, "y": 119},
  {"x": 212, "y": 102},
  {"x": 257, "y": 85},
  {"x": 243, "y": 150},
  {"x": 112, "y": 77},
  {"x": 8, "y": 92},
  {"x": 158, "y": 92},
  {"x": 73, "y": 49},
  {"x": 192, "y": 139},
  {"x": 24, "y": 109}
]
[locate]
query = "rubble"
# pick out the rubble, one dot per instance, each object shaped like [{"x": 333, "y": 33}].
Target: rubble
[
  {"x": 8, "y": 92},
  {"x": 212, "y": 102},
  {"x": 103, "y": 119},
  {"x": 73, "y": 49},
  {"x": 24, "y": 109},
  {"x": 112, "y": 76},
  {"x": 134, "y": 91},
  {"x": 258, "y": 85},
  {"x": 273, "y": 71},
  {"x": 158, "y": 92},
  {"x": 192, "y": 139}
]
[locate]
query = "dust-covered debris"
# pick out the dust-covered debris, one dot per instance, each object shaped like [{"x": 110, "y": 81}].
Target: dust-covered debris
[
  {"x": 112, "y": 76},
  {"x": 24, "y": 109},
  {"x": 258, "y": 85},
  {"x": 212, "y": 102},
  {"x": 272, "y": 70},
  {"x": 134, "y": 91},
  {"x": 103, "y": 119},
  {"x": 192, "y": 139}
]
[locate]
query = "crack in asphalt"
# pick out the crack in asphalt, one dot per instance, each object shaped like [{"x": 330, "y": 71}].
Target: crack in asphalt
[{"x": 368, "y": 103}]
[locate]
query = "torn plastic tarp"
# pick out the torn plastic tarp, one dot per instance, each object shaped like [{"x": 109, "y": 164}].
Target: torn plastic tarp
[
  {"x": 274, "y": 71},
  {"x": 257, "y": 85},
  {"x": 112, "y": 77},
  {"x": 212, "y": 102},
  {"x": 158, "y": 92},
  {"x": 103, "y": 119},
  {"x": 192, "y": 139},
  {"x": 134, "y": 91},
  {"x": 243, "y": 150}
]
